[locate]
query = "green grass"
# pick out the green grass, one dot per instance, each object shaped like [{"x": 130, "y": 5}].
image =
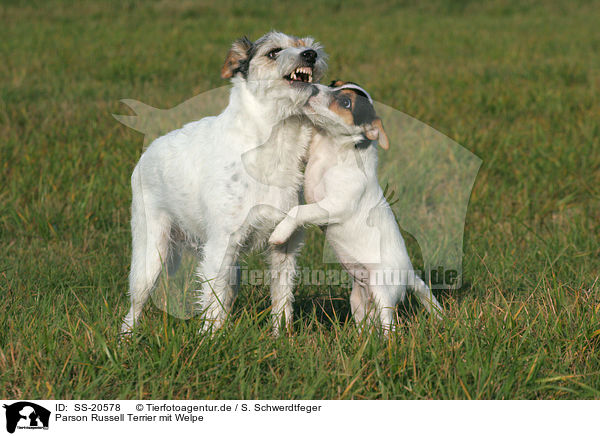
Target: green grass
[{"x": 514, "y": 82}]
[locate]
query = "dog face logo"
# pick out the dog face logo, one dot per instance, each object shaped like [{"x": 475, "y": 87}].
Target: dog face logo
[
  {"x": 275, "y": 76},
  {"x": 26, "y": 415},
  {"x": 429, "y": 176}
]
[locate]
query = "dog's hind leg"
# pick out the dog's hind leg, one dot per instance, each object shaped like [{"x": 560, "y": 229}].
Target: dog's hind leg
[
  {"x": 384, "y": 306},
  {"x": 150, "y": 243},
  {"x": 426, "y": 297},
  {"x": 282, "y": 261},
  {"x": 175, "y": 255},
  {"x": 359, "y": 302}
]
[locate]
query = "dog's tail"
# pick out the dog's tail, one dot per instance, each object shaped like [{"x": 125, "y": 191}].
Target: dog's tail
[{"x": 426, "y": 297}]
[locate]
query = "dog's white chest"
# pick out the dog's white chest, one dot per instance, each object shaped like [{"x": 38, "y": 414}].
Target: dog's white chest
[{"x": 321, "y": 159}]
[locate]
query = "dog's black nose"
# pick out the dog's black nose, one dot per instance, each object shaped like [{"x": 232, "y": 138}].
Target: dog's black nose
[{"x": 309, "y": 56}]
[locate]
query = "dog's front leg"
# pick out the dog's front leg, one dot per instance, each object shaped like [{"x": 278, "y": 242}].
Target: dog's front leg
[
  {"x": 218, "y": 272},
  {"x": 283, "y": 271},
  {"x": 322, "y": 213}
]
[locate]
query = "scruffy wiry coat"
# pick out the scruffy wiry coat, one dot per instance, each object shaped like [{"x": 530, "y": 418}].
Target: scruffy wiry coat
[{"x": 224, "y": 180}]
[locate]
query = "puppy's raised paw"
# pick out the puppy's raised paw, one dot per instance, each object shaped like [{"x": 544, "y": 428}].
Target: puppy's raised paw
[{"x": 282, "y": 232}]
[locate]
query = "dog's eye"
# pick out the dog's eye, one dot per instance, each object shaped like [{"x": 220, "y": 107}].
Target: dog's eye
[
  {"x": 273, "y": 53},
  {"x": 345, "y": 102}
]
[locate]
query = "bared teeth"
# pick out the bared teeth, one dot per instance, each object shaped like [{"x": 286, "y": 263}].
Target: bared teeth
[
  {"x": 304, "y": 70},
  {"x": 302, "y": 74}
]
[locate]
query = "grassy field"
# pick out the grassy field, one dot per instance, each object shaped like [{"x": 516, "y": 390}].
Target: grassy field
[{"x": 514, "y": 82}]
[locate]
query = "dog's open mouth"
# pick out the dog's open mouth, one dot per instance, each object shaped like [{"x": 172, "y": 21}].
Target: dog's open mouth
[{"x": 300, "y": 74}]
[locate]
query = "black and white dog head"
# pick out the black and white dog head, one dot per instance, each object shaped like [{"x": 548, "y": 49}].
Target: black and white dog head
[
  {"x": 277, "y": 66},
  {"x": 345, "y": 110}
]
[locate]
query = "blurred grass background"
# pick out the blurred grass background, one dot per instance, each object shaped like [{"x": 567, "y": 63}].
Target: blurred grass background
[{"x": 514, "y": 82}]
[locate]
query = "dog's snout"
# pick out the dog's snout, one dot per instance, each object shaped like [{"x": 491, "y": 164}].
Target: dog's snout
[{"x": 309, "y": 56}]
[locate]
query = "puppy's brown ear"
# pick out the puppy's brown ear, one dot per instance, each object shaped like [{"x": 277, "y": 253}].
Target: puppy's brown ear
[
  {"x": 375, "y": 131},
  {"x": 238, "y": 54},
  {"x": 336, "y": 83}
]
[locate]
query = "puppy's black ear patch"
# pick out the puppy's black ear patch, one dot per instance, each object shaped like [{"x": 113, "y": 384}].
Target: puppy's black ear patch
[
  {"x": 238, "y": 58},
  {"x": 363, "y": 111}
]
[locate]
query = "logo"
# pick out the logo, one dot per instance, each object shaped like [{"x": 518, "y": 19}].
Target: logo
[
  {"x": 428, "y": 179},
  {"x": 26, "y": 415}
]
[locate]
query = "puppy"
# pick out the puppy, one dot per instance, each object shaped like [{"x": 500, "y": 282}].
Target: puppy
[
  {"x": 341, "y": 187},
  {"x": 223, "y": 181}
]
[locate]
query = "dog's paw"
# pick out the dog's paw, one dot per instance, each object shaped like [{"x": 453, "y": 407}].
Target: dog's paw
[
  {"x": 282, "y": 232},
  {"x": 127, "y": 327},
  {"x": 276, "y": 238}
]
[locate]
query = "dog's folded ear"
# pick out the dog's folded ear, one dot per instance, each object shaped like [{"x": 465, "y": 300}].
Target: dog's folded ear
[
  {"x": 237, "y": 59},
  {"x": 375, "y": 131},
  {"x": 336, "y": 83}
]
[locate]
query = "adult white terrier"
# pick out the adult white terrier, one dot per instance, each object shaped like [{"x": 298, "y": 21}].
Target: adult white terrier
[
  {"x": 223, "y": 181},
  {"x": 343, "y": 193}
]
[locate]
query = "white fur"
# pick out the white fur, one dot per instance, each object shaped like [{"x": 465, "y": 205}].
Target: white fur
[
  {"x": 344, "y": 194},
  {"x": 224, "y": 180}
]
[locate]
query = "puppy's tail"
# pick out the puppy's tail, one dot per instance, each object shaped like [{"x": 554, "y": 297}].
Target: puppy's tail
[{"x": 426, "y": 297}]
